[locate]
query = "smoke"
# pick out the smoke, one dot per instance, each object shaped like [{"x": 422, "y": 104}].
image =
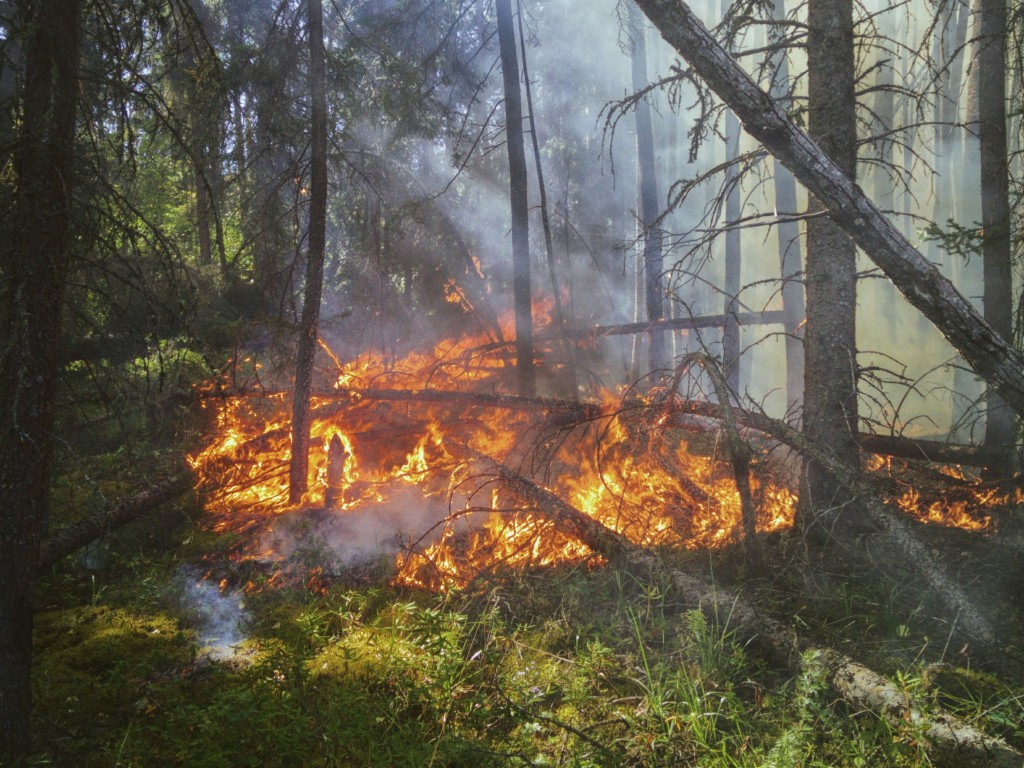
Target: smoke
[
  {"x": 576, "y": 68},
  {"x": 347, "y": 538},
  {"x": 218, "y": 615}
]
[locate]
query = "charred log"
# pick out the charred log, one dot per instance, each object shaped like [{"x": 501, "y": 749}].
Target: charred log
[
  {"x": 929, "y": 450},
  {"x": 771, "y": 317}
]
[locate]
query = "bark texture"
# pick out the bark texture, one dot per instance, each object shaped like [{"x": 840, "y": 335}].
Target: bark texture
[
  {"x": 995, "y": 203},
  {"x": 830, "y": 342},
  {"x": 34, "y": 272},
  {"x": 298, "y": 470},
  {"x": 989, "y": 353}
]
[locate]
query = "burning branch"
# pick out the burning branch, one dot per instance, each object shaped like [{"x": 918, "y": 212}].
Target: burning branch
[{"x": 739, "y": 449}]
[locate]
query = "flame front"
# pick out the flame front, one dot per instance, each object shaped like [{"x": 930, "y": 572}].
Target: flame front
[{"x": 638, "y": 478}]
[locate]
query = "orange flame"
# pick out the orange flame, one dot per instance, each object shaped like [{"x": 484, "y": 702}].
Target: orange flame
[{"x": 638, "y": 478}]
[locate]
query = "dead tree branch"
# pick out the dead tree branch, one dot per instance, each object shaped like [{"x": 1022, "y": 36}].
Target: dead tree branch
[{"x": 993, "y": 357}]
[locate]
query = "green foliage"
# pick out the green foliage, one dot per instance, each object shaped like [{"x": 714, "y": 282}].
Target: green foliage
[{"x": 956, "y": 239}]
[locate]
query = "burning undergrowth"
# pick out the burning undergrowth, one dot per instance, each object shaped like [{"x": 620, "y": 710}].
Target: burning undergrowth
[
  {"x": 409, "y": 486},
  {"x": 404, "y": 440}
]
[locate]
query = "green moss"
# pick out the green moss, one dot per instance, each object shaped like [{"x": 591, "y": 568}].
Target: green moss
[{"x": 587, "y": 669}]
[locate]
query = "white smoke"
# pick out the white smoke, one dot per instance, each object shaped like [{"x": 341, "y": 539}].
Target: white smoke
[{"x": 219, "y": 615}]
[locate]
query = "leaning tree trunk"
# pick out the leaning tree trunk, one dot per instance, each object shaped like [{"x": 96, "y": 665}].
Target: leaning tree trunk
[
  {"x": 649, "y": 209},
  {"x": 995, "y": 203},
  {"x": 298, "y": 470},
  {"x": 991, "y": 355},
  {"x": 830, "y": 343},
  {"x": 34, "y": 271},
  {"x": 518, "y": 197}
]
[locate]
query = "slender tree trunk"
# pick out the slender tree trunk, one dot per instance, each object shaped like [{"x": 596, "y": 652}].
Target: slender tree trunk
[
  {"x": 995, "y": 204},
  {"x": 790, "y": 248},
  {"x": 202, "y": 204},
  {"x": 733, "y": 259},
  {"x": 647, "y": 177},
  {"x": 959, "y": 154},
  {"x": 830, "y": 344},
  {"x": 205, "y": 139},
  {"x": 884, "y": 173},
  {"x": 298, "y": 470},
  {"x": 34, "y": 271},
  {"x": 521, "y": 298},
  {"x": 907, "y": 225},
  {"x": 549, "y": 246}
]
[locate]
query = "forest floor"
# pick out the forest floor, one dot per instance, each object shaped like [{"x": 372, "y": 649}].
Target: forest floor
[{"x": 155, "y": 656}]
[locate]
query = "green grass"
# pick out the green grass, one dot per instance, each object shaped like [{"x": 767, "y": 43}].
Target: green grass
[{"x": 568, "y": 668}]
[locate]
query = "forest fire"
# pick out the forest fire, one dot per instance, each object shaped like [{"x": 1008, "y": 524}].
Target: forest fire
[
  {"x": 410, "y": 432},
  {"x": 408, "y": 467}
]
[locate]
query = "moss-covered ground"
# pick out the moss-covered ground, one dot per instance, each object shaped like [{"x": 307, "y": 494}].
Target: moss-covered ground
[{"x": 574, "y": 667}]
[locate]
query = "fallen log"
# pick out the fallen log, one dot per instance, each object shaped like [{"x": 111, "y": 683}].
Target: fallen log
[
  {"x": 948, "y": 741},
  {"x": 769, "y": 317},
  {"x": 72, "y": 538}
]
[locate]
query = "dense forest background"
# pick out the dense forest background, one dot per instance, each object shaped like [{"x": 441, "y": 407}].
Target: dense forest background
[{"x": 215, "y": 204}]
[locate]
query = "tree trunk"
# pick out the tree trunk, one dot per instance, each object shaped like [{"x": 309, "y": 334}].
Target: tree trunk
[
  {"x": 790, "y": 249},
  {"x": 298, "y": 470},
  {"x": 733, "y": 258},
  {"x": 653, "y": 291},
  {"x": 830, "y": 344},
  {"x": 518, "y": 197},
  {"x": 884, "y": 171},
  {"x": 549, "y": 246},
  {"x": 963, "y": 153},
  {"x": 989, "y": 353},
  {"x": 995, "y": 205},
  {"x": 34, "y": 271}
]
